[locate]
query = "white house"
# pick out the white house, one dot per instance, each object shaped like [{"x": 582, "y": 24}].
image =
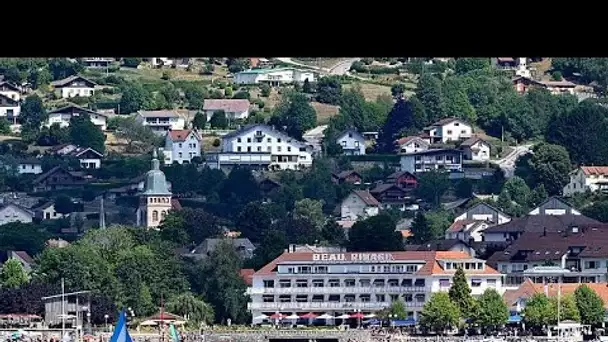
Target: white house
[
  {"x": 9, "y": 108},
  {"x": 352, "y": 142},
  {"x": 10, "y": 90},
  {"x": 359, "y": 204},
  {"x": 181, "y": 146},
  {"x": 88, "y": 157},
  {"x": 467, "y": 230},
  {"x": 435, "y": 159},
  {"x": 63, "y": 115},
  {"x": 32, "y": 166},
  {"x": 15, "y": 213},
  {"x": 273, "y": 77},
  {"x": 234, "y": 108},
  {"x": 161, "y": 121},
  {"x": 46, "y": 211},
  {"x": 554, "y": 206},
  {"x": 411, "y": 144},
  {"x": 74, "y": 86},
  {"x": 484, "y": 212},
  {"x": 587, "y": 178},
  {"x": 285, "y": 152},
  {"x": 449, "y": 129},
  {"x": 476, "y": 149}
]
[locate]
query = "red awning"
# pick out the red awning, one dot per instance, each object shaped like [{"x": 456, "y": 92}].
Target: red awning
[
  {"x": 357, "y": 315},
  {"x": 309, "y": 315},
  {"x": 277, "y": 316},
  {"x": 164, "y": 316}
]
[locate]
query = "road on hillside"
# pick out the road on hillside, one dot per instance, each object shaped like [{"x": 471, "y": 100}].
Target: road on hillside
[
  {"x": 507, "y": 164},
  {"x": 343, "y": 67}
]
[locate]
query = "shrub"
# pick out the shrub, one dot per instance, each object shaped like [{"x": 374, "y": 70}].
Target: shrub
[{"x": 216, "y": 142}]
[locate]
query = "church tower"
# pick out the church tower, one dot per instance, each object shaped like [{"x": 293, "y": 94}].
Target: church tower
[{"x": 155, "y": 200}]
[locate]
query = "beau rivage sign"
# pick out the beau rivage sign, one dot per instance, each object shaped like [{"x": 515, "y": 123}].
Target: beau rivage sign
[{"x": 355, "y": 257}]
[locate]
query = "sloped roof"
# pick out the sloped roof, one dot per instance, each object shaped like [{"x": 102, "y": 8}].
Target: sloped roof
[
  {"x": 538, "y": 223},
  {"x": 181, "y": 134},
  {"x": 595, "y": 170},
  {"x": 527, "y": 289},
  {"x": 367, "y": 197},
  {"x": 72, "y": 108},
  {"x": 227, "y": 105},
  {"x": 472, "y": 141},
  {"x": 66, "y": 81}
]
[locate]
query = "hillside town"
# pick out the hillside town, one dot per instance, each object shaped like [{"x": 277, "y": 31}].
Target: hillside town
[{"x": 420, "y": 196}]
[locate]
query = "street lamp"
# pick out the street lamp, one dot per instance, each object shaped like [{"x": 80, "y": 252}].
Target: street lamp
[{"x": 106, "y": 316}]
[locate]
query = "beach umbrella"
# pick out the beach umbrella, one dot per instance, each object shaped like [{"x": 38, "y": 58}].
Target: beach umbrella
[
  {"x": 357, "y": 315},
  {"x": 344, "y": 316},
  {"x": 292, "y": 316},
  {"x": 370, "y": 316},
  {"x": 309, "y": 315},
  {"x": 325, "y": 316},
  {"x": 277, "y": 316},
  {"x": 262, "y": 316}
]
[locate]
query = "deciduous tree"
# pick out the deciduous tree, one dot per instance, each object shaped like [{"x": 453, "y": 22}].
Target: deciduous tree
[
  {"x": 376, "y": 233},
  {"x": 439, "y": 313},
  {"x": 13, "y": 275},
  {"x": 492, "y": 312},
  {"x": 460, "y": 294},
  {"x": 590, "y": 305}
]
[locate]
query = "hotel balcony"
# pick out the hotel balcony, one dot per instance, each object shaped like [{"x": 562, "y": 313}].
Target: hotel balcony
[
  {"x": 330, "y": 290},
  {"x": 320, "y": 306}
]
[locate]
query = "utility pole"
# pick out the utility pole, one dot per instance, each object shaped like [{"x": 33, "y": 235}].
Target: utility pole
[{"x": 62, "y": 307}]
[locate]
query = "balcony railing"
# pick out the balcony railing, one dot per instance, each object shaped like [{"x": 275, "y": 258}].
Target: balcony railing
[
  {"x": 327, "y": 305},
  {"x": 341, "y": 289}
]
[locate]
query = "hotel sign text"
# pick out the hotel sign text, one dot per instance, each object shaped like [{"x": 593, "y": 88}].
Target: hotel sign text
[{"x": 355, "y": 257}]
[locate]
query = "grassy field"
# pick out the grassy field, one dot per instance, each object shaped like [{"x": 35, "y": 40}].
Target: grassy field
[
  {"x": 370, "y": 91},
  {"x": 324, "y": 112},
  {"x": 148, "y": 75}
]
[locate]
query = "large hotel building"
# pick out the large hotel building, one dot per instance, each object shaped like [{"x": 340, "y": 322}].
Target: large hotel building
[{"x": 299, "y": 282}]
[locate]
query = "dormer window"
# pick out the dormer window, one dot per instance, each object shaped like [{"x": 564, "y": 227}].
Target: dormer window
[{"x": 448, "y": 265}]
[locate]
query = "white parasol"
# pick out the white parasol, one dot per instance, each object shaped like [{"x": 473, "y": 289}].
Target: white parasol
[
  {"x": 369, "y": 316},
  {"x": 325, "y": 316},
  {"x": 292, "y": 316},
  {"x": 262, "y": 316},
  {"x": 344, "y": 316}
]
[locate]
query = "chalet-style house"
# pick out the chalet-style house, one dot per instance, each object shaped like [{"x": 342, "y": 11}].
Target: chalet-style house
[
  {"x": 10, "y": 90},
  {"x": 523, "y": 84},
  {"x": 554, "y": 206},
  {"x": 9, "y": 108},
  {"x": 446, "y": 130},
  {"x": 262, "y": 146},
  {"x": 60, "y": 178},
  {"x": 87, "y": 157},
  {"x": 181, "y": 146},
  {"x": 267, "y": 186},
  {"x": 97, "y": 62},
  {"x": 74, "y": 86},
  {"x": 435, "y": 159},
  {"x": 12, "y": 212},
  {"x": 348, "y": 176},
  {"x": 46, "y": 211},
  {"x": 161, "y": 121},
  {"x": 476, "y": 149},
  {"x": 29, "y": 166},
  {"x": 62, "y": 116},
  {"x": 358, "y": 205},
  {"x": 352, "y": 142},
  {"x": 235, "y": 109},
  {"x": 390, "y": 195},
  {"x": 484, "y": 212},
  {"x": 513, "y": 230},
  {"x": 576, "y": 253},
  {"x": 411, "y": 144},
  {"x": 404, "y": 179},
  {"x": 587, "y": 178}
]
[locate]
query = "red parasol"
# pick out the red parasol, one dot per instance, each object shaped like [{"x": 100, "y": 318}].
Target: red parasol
[
  {"x": 277, "y": 316},
  {"x": 309, "y": 315},
  {"x": 357, "y": 315}
]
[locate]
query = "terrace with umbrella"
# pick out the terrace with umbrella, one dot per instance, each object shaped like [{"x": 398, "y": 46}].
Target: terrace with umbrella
[{"x": 163, "y": 318}]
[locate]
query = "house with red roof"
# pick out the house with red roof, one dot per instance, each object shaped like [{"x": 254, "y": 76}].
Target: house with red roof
[
  {"x": 587, "y": 178},
  {"x": 181, "y": 145}
]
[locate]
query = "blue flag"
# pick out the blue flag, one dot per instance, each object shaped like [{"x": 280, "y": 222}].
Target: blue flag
[{"x": 121, "y": 334}]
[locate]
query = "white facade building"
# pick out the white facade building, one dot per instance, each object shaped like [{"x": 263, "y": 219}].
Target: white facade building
[
  {"x": 10, "y": 90},
  {"x": 343, "y": 283},
  {"x": 161, "y": 121},
  {"x": 74, "y": 86},
  {"x": 273, "y": 77},
  {"x": 14, "y": 213},
  {"x": 436, "y": 159},
  {"x": 476, "y": 149},
  {"x": 285, "y": 151},
  {"x": 30, "y": 166},
  {"x": 235, "y": 109},
  {"x": 9, "y": 108},
  {"x": 352, "y": 142},
  {"x": 554, "y": 206},
  {"x": 62, "y": 117},
  {"x": 587, "y": 178},
  {"x": 450, "y": 129},
  {"x": 359, "y": 204},
  {"x": 484, "y": 212},
  {"x": 181, "y": 146},
  {"x": 411, "y": 144}
]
